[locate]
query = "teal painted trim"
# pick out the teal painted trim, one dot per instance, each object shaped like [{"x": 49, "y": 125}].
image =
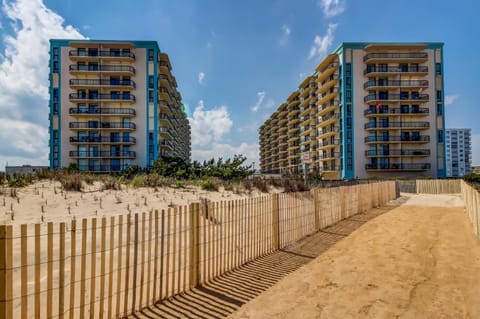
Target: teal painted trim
[
  {"x": 350, "y": 173},
  {"x": 59, "y": 144},
  {"x": 135, "y": 43},
  {"x": 343, "y": 128},
  {"x": 147, "y": 110},
  {"x": 50, "y": 102},
  {"x": 362, "y": 45},
  {"x": 443, "y": 173},
  {"x": 155, "y": 108}
]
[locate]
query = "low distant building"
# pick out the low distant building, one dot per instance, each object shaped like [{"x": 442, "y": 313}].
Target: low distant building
[
  {"x": 476, "y": 169},
  {"x": 11, "y": 171},
  {"x": 459, "y": 152}
]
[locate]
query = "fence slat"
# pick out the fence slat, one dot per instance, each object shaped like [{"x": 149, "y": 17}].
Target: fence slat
[
  {"x": 118, "y": 284},
  {"x": 110, "y": 267},
  {"x": 83, "y": 264},
  {"x": 49, "y": 269},
  {"x": 127, "y": 265},
  {"x": 61, "y": 265},
  {"x": 73, "y": 253},
  {"x": 24, "y": 265},
  {"x": 102, "y": 267},
  {"x": 6, "y": 272},
  {"x": 93, "y": 263}
]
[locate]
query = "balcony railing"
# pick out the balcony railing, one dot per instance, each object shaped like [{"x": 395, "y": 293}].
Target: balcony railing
[
  {"x": 103, "y": 154},
  {"x": 412, "y": 152},
  {"x": 327, "y": 143},
  {"x": 102, "y": 68},
  {"x": 395, "y": 97},
  {"x": 330, "y": 168},
  {"x": 395, "y": 83},
  {"x": 421, "y": 110},
  {"x": 102, "y": 139},
  {"x": 397, "y": 125},
  {"x": 328, "y": 117},
  {"x": 402, "y": 55},
  {"x": 396, "y": 69},
  {"x": 102, "y": 168},
  {"x": 421, "y": 138},
  {"x": 329, "y": 156},
  {"x": 101, "y": 125},
  {"x": 113, "y": 54},
  {"x": 98, "y": 82},
  {"x": 103, "y": 110},
  {"x": 399, "y": 166},
  {"x": 120, "y": 97}
]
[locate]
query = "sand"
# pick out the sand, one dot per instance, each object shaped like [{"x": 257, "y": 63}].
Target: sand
[
  {"x": 419, "y": 260},
  {"x": 60, "y": 206}
]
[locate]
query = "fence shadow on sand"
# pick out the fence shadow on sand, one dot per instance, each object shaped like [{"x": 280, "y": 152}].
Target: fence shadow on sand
[{"x": 226, "y": 293}]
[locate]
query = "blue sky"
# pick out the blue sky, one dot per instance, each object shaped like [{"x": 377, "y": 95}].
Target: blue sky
[{"x": 235, "y": 61}]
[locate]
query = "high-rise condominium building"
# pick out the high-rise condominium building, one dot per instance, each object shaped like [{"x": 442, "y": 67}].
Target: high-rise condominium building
[
  {"x": 369, "y": 110},
  {"x": 459, "y": 151},
  {"x": 113, "y": 104}
]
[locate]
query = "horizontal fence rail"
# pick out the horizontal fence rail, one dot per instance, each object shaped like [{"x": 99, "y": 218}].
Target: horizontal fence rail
[{"x": 111, "y": 267}]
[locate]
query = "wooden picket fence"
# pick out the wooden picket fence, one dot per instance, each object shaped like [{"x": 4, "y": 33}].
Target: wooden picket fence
[
  {"x": 111, "y": 267},
  {"x": 471, "y": 197},
  {"x": 438, "y": 186}
]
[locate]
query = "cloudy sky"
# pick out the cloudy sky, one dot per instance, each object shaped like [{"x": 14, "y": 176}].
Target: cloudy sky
[{"x": 235, "y": 61}]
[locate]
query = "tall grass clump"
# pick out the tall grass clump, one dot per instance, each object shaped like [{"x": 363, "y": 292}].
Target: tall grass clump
[
  {"x": 209, "y": 185},
  {"x": 71, "y": 182}
]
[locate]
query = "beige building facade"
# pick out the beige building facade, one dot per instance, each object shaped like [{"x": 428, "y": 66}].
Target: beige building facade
[
  {"x": 369, "y": 110},
  {"x": 113, "y": 105}
]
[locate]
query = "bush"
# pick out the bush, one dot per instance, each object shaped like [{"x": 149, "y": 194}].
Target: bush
[
  {"x": 3, "y": 178},
  {"x": 209, "y": 185},
  {"x": 260, "y": 184},
  {"x": 138, "y": 181},
  {"x": 112, "y": 183},
  {"x": 472, "y": 178},
  {"x": 71, "y": 182},
  {"x": 180, "y": 184},
  {"x": 18, "y": 181}
]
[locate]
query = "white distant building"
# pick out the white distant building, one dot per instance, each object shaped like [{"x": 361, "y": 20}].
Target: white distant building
[{"x": 459, "y": 151}]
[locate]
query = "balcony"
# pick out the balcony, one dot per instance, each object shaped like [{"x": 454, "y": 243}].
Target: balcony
[
  {"x": 396, "y": 111},
  {"x": 389, "y": 57},
  {"x": 329, "y": 156},
  {"x": 415, "y": 70},
  {"x": 102, "y": 111},
  {"x": 397, "y": 125},
  {"x": 396, "y": 97},
  {"x": 94, "y": 125},
  {"x": 398, "y": 167},
  {"x": 330, "y": 168},
  {"x": 102, "y": 154},
  {"x": 75, "y": 97},
  {"x": 102, "y": 139},
  {"x": 77, "y": 83},
  {"x": 112, "y": 54},
  {"x": 327, "y": 131},
  {"x": 396, "y": 153},
  {"x": 398, "y": 139},
  {"x": 114, "y": 69},
  {"x": 395, "y": 84},
  {"x": 328, "y": 143},
  {"x": 327, "y": 119},
  {"x": 327, "y": 107}
]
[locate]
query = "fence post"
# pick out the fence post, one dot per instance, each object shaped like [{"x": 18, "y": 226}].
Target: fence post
[
  {"x": 6, "y": 279},
  {"x": 194, "y": 244},
  {"x": 316, "y": 208},
  {"x": 275, "y": 221}
]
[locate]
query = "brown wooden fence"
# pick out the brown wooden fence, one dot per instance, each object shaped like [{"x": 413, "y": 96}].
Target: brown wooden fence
[
  {"x": 438, "y": 186},
  {"x": 111, "y": 267},
  {"x": 471, "y": 197}
]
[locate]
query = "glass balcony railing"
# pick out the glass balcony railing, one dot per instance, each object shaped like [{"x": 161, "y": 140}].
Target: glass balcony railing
[
  {"x": 103, "y": 111},
  {"x": 396, "y": 69},
  {"x": 102, "y": 125},
  {"x": 103, "y": 154},
  {"x": 421, "y": 110},
  {"x": 411, "y": 152},
  {"x": 102, "y": 68},
  {"x": 396, "y": 83},
  {"x": 397, "y": 125},
  {"x": 112, "y": 54},
  {"x": 111, "y": 96},
  {"x": 395, "y": 97},
  {"x": 420, "y": 138},
  {"x": 399, "y": 166},
  {"x": 98, "y": 82},
  {"x": 396, "y": 56},
  {"x": 103, "y": 139}
]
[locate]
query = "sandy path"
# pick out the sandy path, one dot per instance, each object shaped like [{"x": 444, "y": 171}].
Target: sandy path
[{"x": 416, "y": 261}]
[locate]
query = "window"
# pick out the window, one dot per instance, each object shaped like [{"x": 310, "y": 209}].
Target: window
[
  {"x": 403, "y": 67},
  {"x": 81, "y": 52},
  {"x": 55, "y": 54},
  {"x": 125, "y": 52},
  {"x": 126, "y": 95},
  {"x": 150, "y": 54},
  {"x": 438, "y": 68},
  {"x": 403, "y": 95},
  {"x": 55, "y": 108},
  {"x": 114, "y": 52},
  {"x": 151, "y": 82},
  {"x": 93, "y": 66},
  {"x": 404, "y": 108},
  {"x": 415, "y": 108},
  {"x": 348, "y": 69},
  {"x": 440, "y": 136},
  {"x": 439, "y": 109},
  {"x": 150, "y": 95},
  {"x": 114, "y": 80},
  {"x": 439, "y": 95},
  {"x": 92, "y": 52},
  {"x": 55, "y": 66}
]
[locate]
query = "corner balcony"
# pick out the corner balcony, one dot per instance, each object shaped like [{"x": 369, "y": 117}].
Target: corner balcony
[
  {"x": 398, "y": 167},
  {"x": 116, "y": 55},
  {"x": 398, "y": 153},
  {"x": 89, "y": 83},
  {"x": 373, "y": 98},
  {"x": 384, "y": 57},
  {"x": 327, "y": 131},
  {"x": 328, "y": 144},
  {"x": 83, "y": 97},
  {"x": 375, "y": 84},
  {"x": 102, "y": 140},
  {"x": 102, "y": 111},
  {"x": 94, "y": 125},
  {"x": 397, "y": 125},
  {"x": 102, "y": 154},
  {"x": 397, "y": 139},
  {"x": 104, "y": 68},
  {"x": 327, "y": 119},
  {"x": 390, "y": 70},
  {"x": 396, "y": 111}
]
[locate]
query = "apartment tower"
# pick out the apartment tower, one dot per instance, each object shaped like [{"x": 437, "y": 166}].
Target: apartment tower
[
  {"x": 368, "y": 110},
  {"x": 113, "y": 104},
  {"x": 459, "y": 151}
]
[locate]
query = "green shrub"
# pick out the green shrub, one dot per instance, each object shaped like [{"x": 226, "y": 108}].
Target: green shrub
[
  {"x": 3, "y": 178},
  {"x": 260, "y": 184},
  {"x": 138, "y": 181},
  {"x": 180, "y": 184},
  {"x": 18, "y": 181},
  {"x": 209, "y": 185}
]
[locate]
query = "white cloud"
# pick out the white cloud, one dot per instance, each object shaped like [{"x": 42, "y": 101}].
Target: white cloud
[
  {"x": 228, "y": 151},
  {"x": 450, "y": 99},
  {"x": 285, "y": 35},
  {"x": 475, "y": 149},
  {"x": 322, "y": 44},
  {"x": 260, "y": 97},
  {"x": 209, "y": 126},
  {"x": 24, "y": 79},
  {"x": 332, "y": 8},
  {"x": 201, "y": 77}
]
